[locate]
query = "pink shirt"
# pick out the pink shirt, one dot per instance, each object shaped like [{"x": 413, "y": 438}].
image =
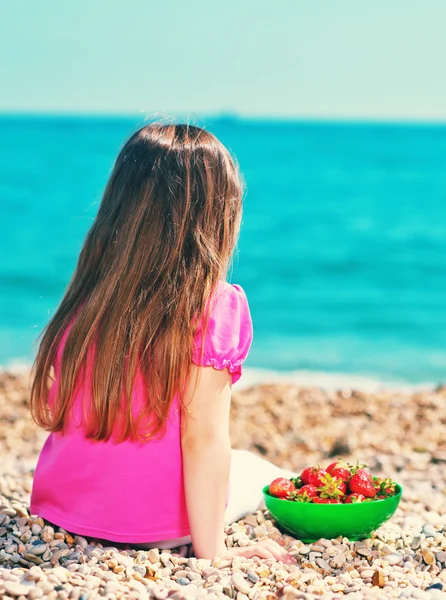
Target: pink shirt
[{"x": 132, "y": 491}]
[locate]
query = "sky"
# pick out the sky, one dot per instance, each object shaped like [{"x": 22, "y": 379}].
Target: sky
[{"x": 342, "y": 59}]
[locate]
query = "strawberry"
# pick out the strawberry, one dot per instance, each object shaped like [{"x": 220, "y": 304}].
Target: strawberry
[
  {"x": 377, "y": 484},
  {"x": 354, "y": 498},
  {"x": 362, "y": 483},
  {"x": 340, "y": 469},
  {"x": 364, "y": 472},
  {"x": 390, "y": 489},
  {"x": 340, "y": 482},
  {"x": 305, "y": 475},
  {"x": 317, "y": 477},
  {"x": 385, "y": 487},
  {"x": 332, "y": 487},
  {"x": 359, "y": 468},
  {"x": 342, "y": 486},
  {"x": 311, "y": 475},
  {"x": 306, "y": 492},
  {"x": 281, "y": 487},
  {"x": 319, "y": 500}
]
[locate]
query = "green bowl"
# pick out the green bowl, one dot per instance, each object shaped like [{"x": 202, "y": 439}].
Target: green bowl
[{"x": 310, "y": 522}]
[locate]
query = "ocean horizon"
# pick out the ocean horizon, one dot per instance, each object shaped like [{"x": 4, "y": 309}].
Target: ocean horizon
[{"x": 342, "y": 251}]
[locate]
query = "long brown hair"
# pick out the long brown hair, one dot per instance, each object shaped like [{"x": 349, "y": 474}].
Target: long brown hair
[{"x": 163, "y": 237}]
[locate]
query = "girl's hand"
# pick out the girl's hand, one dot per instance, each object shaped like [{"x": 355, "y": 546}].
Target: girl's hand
[{"x": 263, "y": 549}]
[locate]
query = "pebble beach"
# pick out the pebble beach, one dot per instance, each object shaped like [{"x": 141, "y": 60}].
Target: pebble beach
[{"x": 398, "y": 434}]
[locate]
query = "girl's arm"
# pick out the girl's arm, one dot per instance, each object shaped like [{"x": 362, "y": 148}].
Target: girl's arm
[{"x": 206, "y": 449}]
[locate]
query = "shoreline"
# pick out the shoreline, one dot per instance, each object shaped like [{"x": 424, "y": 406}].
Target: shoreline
[
  {"x": 325, "y": 380},
  {"x": 329, "y": 381}
]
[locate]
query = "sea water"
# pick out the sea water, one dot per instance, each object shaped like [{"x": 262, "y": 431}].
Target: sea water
[{"x": 342, "y": 251}]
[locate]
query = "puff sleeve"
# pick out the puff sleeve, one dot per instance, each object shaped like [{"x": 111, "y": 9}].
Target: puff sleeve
[{"x": 229, "y": 332}]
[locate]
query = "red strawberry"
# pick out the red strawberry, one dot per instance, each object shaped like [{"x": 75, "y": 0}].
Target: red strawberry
[
  {"x": 377, "y": 484},
  {"x": 325, "y": 501},
  {"x": 354, "y": 498},
  {"x": 341, "y": 473},
  {"x": 281, "y": 487},
  {"x": 362, "y": 483},
  {"x": 342, "y": 486},
  {"x": 306, "y": 492},
  {"x": 305, "y": 475},
  {"x": 390, "y": 490},
  {"x": 340, "y": 469},
  {"x": 311, "y": 475},
  {"x": 332, "y": 487},
  {"x": 384, "y": 487},
  {"x": 317, "y": 477},
  {"x": 361, "y": 470}
]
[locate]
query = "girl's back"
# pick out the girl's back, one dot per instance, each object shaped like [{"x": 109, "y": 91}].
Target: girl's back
[{"x": 132, "y": 491}]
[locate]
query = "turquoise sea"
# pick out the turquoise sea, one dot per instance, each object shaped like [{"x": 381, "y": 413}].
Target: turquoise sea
[{"x": 342, "y": 252}]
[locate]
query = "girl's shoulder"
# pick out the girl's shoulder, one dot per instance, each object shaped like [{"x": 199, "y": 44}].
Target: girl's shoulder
[
  {"x": 230, "y": 308},
  {"x": 229, "y": 293},
  {"x": 229, "y": 331}
]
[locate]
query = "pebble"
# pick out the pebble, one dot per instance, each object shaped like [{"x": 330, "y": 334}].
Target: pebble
[
  {"x": 393, "y": 559},
  {"x": 33, "y": 558},
  {"x": 323, "y": 564},
  {"x": 313, "y": 556},
  {"x": 367, "y": 573},
  {"x": 165, "y": 560},
  {"x": 210, "y": 572},
  {"x": 15, "y": 589},
  {"x": 181, "y": 573},
  {"x": 378, "y": 578},
  {"x": 253, "y": 577},
  {"x": 38, "y": 550},
  {"x": 434, "y": 586},
  {"x": 153, "y": 555},
  {"x": 416, "y": 542},
  {"x": 338, "y": 561},
  {"x": 81, "y": 541},
  {"x": 240, "y": 583},
  {"x": 428, "y": 557},
  {"x": 351, "y": 589},
  {"x": 429, "y": 530}
]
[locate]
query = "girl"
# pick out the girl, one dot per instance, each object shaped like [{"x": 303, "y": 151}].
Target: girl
[{"x": 133, "y": 373}]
